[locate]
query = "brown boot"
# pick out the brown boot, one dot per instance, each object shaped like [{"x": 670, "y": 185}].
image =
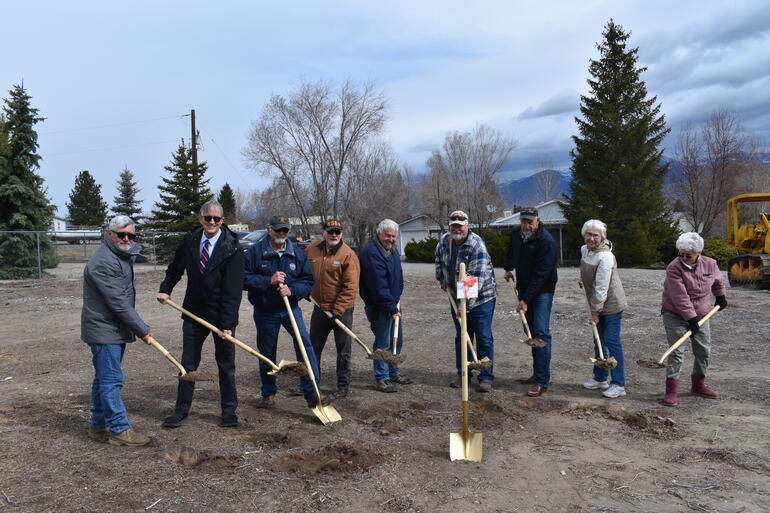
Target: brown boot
[
  {"x": 129, "y": 438},
  {"x": 699, "y": 387},
  {"x": 672, "y": 389}
]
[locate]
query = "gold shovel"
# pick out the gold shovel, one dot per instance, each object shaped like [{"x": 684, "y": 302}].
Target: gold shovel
[
  {"x": 183, "y": 374},
  {"x": 530, "y": 340},
  {"x": 325, "y": 413},
  {"x": 652, "y": 364},
  {"x": 465, "y": 444},
  {"x": 476, "y": 364},
  {"x": 380, "y": 354},
  {"x": 395, "y": 329},
  {"x": 284, "y": 367}
]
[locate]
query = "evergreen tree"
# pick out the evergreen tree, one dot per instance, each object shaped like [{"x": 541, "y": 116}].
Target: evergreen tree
[
  {"x": 86, "y": 206},
  {"x": 227, "y": 200},
  {"x": 182, "y": 195},
  {"x": 126, "y": 202},
  {"x": 23, "y": 201},
  {"x": 617, "y": 173}
]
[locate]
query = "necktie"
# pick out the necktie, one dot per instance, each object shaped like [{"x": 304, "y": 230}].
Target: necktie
[{"x": 203, "y": 262}]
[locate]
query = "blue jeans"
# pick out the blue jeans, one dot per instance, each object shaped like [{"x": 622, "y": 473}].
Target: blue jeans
[
  {"x": 539, "y": 318},
  {"x": 609, "y": 332},
  {"x": 268, "y": 326},
  {"x": 107, "y": 408},
  {"x": 480, "y": 328},
  {"x": 382, "y": 327}
]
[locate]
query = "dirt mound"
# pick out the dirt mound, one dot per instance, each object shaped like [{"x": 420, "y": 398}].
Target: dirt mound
[
  {"x": 392, "y": 418},
  {"x": 339, "y": 457},
  {"x": 541, "y": 404},
  {"x": 200, "y": 458},
  {"x": 286, "y": 440},
  {"x": 488, "y": 415},
  {"x": 639, "y": 420}
]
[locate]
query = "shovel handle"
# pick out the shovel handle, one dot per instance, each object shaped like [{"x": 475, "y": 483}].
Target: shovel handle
[
  {"x": 222, "y": 334},
  {"x": 465, "y": 336},
  {"x": 598, "y": 340},
  {"x": 521, "y": 314},
  {"x": 687, "y": 335},
  {"x": 301, "y": 345},
  {"x": 395, "y": 329},
  {"x": 344, "y": 328},
  {"x": 464, "y": 353},
  {"x": 154, "y": 343}
]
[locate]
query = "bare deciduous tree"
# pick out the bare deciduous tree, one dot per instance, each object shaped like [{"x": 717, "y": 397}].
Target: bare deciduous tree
[
  {"x": 307, "y": 139},
  {"x": 546, "y": 182},
  {"x": 713, "y": 162},
  {"x": 463, "y": 175}
]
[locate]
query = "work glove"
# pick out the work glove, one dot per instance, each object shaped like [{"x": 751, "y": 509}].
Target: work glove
[
  {"x": 721, "y": 302},
  {"x": 694, "y": 328}
]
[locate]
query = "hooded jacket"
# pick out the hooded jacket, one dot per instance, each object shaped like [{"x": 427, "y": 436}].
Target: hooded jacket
[{"x": 601, "y": 282}]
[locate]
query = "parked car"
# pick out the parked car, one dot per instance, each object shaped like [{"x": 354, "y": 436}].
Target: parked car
[{"x": 248, "y": 239}]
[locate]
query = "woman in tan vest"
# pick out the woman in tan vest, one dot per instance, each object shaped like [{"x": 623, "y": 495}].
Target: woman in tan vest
[{"x": 600, "y": 280}]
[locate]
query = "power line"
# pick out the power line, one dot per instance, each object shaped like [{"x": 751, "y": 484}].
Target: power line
[
  {"x": 108, "y": 149},
  {"x": 113, "y": 125}
]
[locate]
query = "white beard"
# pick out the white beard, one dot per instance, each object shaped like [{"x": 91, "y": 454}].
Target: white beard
[
  {"x": 278, "y": 242},
  {"x": 459, "y": 237},
  {"x": 333, "y": 243}
]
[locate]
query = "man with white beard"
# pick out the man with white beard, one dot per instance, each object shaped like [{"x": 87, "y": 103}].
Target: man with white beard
[
  {"x": 461, "y": 245},
  {"x": 335, "y": 283}
]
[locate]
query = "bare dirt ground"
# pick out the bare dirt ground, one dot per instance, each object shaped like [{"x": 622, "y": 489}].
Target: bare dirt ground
[{"x": 570, "y": 450}]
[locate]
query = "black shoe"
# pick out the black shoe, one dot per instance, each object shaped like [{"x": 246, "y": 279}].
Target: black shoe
[
  {"x": 174, "y": 420},
  {"x": 295, "y": 392},
  {"x": 341, "y": 393},
  {"x": 229, "y": 420},
  {"x": 313, "y": 402}
]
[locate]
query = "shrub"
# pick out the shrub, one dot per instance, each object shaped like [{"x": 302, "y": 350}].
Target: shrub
[
  {"x": 720, "y": 250},
  {"x": 497, "y": 245},
  {"x": 422, "y": 251}
]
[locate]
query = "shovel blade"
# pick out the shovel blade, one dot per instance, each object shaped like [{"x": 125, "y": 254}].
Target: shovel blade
[
  {"x": 480, "y": 365},
  {"x": 290, "y": 368},
  {"x": 326, "y": 414},
  {"x": 650, "y": 364},
  {"x": 465, "y": 445}
]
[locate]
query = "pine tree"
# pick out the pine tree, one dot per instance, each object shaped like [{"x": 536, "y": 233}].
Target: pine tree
[
  {"x": 182, "y": 195},
  {"x": 23, "y": 201},
  {"x": 617, "y": 173},
  {"x": 86, "y": 206},
  {"x": 227, "y": 200},
  {"x": 126, "y": 202}
]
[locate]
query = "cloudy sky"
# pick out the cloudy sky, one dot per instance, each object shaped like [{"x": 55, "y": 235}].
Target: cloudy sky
[{"x": 114, "y": 81}]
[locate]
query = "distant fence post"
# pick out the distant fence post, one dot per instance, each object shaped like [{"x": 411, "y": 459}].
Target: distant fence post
[{"x": 39, "y": 257}]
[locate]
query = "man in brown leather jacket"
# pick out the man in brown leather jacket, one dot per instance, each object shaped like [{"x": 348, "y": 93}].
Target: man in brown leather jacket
[{"x": 335, "y": 283}]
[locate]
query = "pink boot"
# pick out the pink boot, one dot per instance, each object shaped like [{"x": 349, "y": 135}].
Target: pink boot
[
  {"x": 672, "y": 388},
  {"x": 699, "y": 387}
]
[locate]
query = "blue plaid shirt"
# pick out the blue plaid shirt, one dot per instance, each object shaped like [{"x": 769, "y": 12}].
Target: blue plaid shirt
[{"x": 473, "y": 253}]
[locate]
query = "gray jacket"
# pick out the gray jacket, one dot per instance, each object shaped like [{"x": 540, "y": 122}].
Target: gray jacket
[{"x": 108, "y": 315}]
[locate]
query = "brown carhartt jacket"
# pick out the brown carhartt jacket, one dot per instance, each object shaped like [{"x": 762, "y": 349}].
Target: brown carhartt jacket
[{"x": 335, "y": 276}]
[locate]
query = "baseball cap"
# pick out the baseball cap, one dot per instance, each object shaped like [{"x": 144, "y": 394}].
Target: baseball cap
[
  {"x": 279, "y": 222},
  {"x": 332, "y": 224},
  {"x": 458, "y": 217},
  {"x": 528, "y": 213}
]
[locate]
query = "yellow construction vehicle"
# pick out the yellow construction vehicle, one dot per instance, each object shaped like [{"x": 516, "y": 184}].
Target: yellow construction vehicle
[{"x": 752, "y": 267}]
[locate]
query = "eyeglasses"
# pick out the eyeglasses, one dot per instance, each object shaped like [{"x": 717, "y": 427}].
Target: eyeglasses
[
  {"x": 333, "y": 232},
  {"x": 208, "y": 219},
  {"x": 687, "y": 255},
  {"x": 281, "y": 230},
  {"x": 124, "y": 235},
  {"x": 457, "y": 218}
]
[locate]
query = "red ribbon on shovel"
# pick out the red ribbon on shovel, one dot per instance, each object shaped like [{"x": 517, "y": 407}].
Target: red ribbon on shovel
[{"x": 468, "y": 283}]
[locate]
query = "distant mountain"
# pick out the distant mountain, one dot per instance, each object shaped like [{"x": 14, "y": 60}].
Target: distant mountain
[{"x": 531, "y": 190}]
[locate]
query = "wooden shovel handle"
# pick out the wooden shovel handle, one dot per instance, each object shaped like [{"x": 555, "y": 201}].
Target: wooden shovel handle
[
  {"x": 222, "y": 334},
  {"x": 154, "y": 343},
  {"x": 395, "y": 329},
  {"x": 598, "y": 340},
  {"x": 464, "y": 353},
  {"x": 301, "y": 345},
  {"x": 521, "y": 314},
  {"x": 344, "y": 328},
  {"x": 466, "y": 337},
  {"x": 687, "y": 335}
]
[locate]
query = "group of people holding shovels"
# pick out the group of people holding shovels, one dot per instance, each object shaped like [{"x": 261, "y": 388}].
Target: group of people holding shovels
[{"x": 276, "y": 273}]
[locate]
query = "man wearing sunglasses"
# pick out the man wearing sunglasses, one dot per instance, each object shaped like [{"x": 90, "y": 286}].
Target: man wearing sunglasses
[
  {"x": 213, "y": 261},
  {"x": 335, "y": 284},
  {"x": 461, "y": 245},
  {"x": 277, "y": 268},
  {"x": 108, "y": 322}
]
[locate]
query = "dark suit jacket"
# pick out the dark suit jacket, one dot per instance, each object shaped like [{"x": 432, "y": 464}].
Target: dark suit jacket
[{"x": 216, "y": 295}]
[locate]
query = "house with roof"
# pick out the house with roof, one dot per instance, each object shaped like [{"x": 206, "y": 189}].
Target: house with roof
[{"x": 551, "y": 216}]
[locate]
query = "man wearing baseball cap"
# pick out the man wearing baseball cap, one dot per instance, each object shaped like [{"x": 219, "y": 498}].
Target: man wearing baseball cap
[
  {"x": 532, "y": 253},
  {"x": 461, "y": 245},
  {"x": 335, "y": 285}
]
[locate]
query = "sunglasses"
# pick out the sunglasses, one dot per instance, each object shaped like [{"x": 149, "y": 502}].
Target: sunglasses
[
  {"x": 457, "y": 218},
  {"x": 333, "y": 232},
  {"x": 124, "y": 235},
  {"x": 208, "y": 219},
  {"x": 282, "y": 230}
]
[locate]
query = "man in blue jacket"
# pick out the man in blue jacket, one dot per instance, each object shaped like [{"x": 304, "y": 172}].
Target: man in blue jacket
[
  {"x": 381, "y": 285},
  {"x": 532, "y": 253},
  {"x": 273, "y": 261}
]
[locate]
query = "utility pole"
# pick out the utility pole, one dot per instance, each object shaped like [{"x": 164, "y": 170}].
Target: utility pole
[{"x": 194, "y": 140}]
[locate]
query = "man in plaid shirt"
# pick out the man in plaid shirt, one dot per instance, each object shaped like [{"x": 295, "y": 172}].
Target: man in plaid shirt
[{"x": 461, "y": 245}]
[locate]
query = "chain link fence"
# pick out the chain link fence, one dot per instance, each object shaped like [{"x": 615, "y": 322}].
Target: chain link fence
[{"x": 29, "y": 254}]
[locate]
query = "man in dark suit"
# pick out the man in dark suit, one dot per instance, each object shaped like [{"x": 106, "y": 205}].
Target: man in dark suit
[{"x": 214, "y": 264}]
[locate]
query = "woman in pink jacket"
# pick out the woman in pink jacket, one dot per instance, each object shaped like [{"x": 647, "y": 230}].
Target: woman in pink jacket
[{"x": 691, "y": 279}]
